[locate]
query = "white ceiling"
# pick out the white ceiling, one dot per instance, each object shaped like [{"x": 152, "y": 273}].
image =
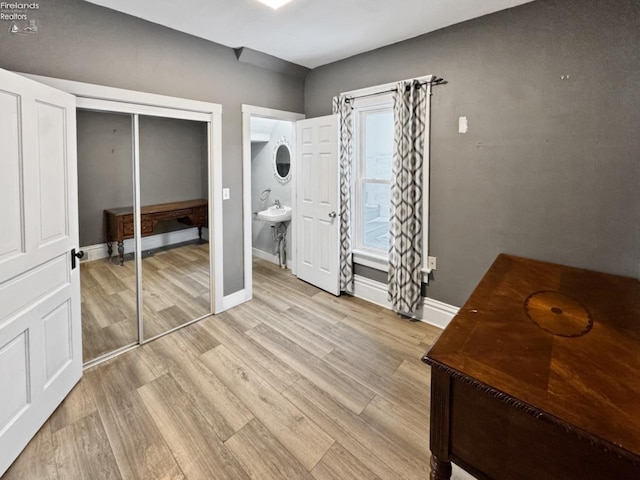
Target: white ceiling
[{"x": 308, "y": 32}]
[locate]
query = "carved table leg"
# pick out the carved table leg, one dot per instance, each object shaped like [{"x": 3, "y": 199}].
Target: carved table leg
[
  {"x": 200, "y": 232},
  {"x": 439, "y": 429},
  {"x": 109, "y": 248},
  {"x": 121, "y": 252},
  {"x": 440, "y": 470}
]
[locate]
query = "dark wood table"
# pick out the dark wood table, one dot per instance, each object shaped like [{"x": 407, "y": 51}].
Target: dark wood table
[
  {"x": 538, "y": 377},
  {"x": 120, "y": 220}
]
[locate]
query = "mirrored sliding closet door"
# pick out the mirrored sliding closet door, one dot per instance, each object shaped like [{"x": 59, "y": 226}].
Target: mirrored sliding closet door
[
  {"x": 144, "y": 199},
  {"x": 174, "y": 172},
  {"x": 106, "y": 214}
]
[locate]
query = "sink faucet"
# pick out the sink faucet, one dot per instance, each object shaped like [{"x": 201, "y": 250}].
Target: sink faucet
[{"x": 277, "y": 204}]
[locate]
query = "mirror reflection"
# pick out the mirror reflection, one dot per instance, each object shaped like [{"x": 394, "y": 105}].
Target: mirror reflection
[
  {"x": 105, "y": 196},
  {"x": 174, "y": 223}
]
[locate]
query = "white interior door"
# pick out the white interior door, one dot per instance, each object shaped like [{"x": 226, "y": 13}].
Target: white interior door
[
  {"x": 317, "y": 205},
  {"x": 40, "y": 333}
]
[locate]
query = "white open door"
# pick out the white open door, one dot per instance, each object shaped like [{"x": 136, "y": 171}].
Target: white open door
[
  {"x": 40, "y": 332},
  {"x": 317, "y": 205}
]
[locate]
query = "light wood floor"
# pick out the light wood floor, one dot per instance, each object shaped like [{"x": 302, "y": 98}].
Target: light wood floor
[
  {"x": 296, "y": 384},
  {"x": 175, "y": 286}
]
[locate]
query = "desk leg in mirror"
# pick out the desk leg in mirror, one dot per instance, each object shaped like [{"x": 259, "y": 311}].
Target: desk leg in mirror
[{"x": 121, "y": 252}]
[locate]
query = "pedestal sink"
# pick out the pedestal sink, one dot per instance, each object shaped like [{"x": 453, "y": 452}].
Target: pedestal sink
[{"x": 275, "y": 214}]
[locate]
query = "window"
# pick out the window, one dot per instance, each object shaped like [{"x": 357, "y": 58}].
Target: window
[
  {"x": 373, "y": 138},
  {"x": 373, "y": 150}
]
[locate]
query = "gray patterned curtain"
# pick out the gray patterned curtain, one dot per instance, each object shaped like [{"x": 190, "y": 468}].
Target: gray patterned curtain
[
  {"x": 405, "y": 225},
  {"x": 342, "y": 106}
]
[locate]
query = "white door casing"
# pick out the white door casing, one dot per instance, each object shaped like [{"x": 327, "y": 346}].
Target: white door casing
[
  {"x": 317, "y": 205},
  {"x": 248, "y": 112},
  {"x": 40, "y": 331}
]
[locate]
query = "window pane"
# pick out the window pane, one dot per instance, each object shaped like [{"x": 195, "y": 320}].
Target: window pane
[
  {"x": 375, "y": 228},
  {"x": 378, "y": 144}
]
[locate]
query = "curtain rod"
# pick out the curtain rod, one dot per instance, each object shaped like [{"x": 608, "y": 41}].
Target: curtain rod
[{"x": 435, "y": 81}]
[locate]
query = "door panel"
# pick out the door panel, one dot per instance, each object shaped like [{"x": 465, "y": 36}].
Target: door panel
[
  {"x": 57, "y": 340},
  {"x": 318, "y": 203},
  {"x": 41, "y": 281},
  {"x": 307, "y": 254},
  {"x": 325, "y": 255},
  {"x": 40, "y": 336},
  {"x": 52, "y": 172},
  {"x": 14, "y": 368},
  {"x": 327, "y": 191},
  {"x": 12, "y": 232}
]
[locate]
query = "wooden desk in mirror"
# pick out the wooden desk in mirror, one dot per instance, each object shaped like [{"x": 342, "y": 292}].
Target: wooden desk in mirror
[{"x": 120, "y": 226}]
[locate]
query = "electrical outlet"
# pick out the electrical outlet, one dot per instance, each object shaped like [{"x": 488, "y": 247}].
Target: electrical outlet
[
  {"x": 225, "y": 194},
  {"x": 431, "y": 263}
]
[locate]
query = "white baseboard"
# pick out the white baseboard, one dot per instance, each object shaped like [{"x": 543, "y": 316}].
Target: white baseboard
[
  {"x": 370, "y": 290},
  {"x": 432, "y": 312},
  {"x": 268, "y": 257},
  {"x": 438, "y": 313},
  {"x": 99, "y": 251},
  {"x": 95, "y": 252}
]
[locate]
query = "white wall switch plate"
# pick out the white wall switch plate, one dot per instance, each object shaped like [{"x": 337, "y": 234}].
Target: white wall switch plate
[
  {"x": 225, "y": 194},
  {"x": 431, "y": 263}
]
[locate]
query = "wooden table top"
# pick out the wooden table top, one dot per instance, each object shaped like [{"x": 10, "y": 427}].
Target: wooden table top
[
  {"x": 561, "y": 340},
  {"x": 160, "y": 207}
]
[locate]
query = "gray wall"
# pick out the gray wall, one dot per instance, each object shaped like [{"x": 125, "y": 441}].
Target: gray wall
[
  {"x": 105, "y": 170},
  {"x": 173, "y": 163},
  {"x": 173, "y": 166},
  {"x": 262, "y": 177},
  {"x": 173, "y": 160},
  {"x": 550, "y": 167},
  {"x": 83, "y": 42}
]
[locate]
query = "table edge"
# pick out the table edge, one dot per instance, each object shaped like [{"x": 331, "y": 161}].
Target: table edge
[{"x": 529, "y": 409}]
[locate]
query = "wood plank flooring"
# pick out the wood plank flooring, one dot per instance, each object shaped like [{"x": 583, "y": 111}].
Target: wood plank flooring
[
  {"x": 175, "y": 284},
  {"x": 296, "y": 384}
]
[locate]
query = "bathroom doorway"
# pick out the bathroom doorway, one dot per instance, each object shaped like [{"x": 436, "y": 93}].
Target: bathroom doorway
[
  {"x": 268, "y": 179},
  {"x": 271, "y": 155}
]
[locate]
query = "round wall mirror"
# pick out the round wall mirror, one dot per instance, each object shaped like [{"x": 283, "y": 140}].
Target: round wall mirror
[{"x": 282, "y": 161}]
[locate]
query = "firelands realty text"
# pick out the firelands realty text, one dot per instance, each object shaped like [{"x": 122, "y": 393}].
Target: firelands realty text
[{"x": 16, "y": 11}]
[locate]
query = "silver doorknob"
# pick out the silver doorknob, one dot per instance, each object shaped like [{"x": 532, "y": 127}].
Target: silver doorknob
[{"x": 332, "y": 215}]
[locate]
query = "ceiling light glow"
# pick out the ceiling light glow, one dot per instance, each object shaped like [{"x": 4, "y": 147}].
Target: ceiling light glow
[{"x": 275, "y": 4}]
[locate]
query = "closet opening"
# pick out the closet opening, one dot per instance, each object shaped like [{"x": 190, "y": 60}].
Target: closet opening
[{"x": 144, "y": 188}]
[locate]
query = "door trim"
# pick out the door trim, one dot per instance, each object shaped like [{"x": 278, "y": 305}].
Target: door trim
[
  {"x": 249, "y": 111},
  {"x": 100, "y": 97}
]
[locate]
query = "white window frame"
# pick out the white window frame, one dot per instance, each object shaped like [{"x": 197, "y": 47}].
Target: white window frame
[
  {"x": 361, "y": 107},
  {"x": 367, "y": 257}
]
